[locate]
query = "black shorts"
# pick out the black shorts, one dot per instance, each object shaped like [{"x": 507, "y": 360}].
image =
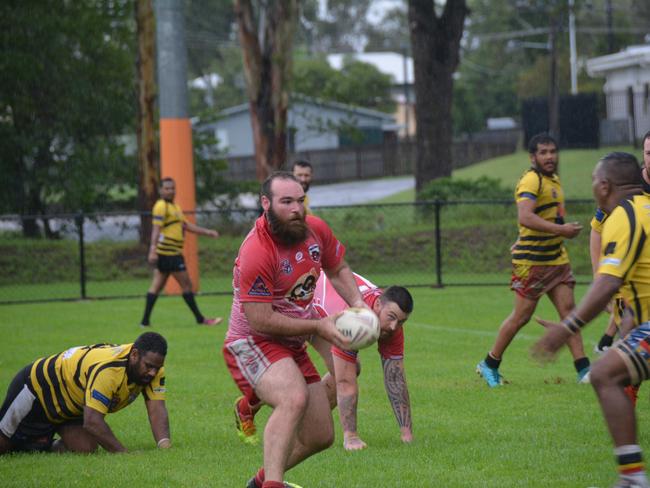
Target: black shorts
[
  {"x": 171, "y": 264},
  {"x": 22, "y": 418}
]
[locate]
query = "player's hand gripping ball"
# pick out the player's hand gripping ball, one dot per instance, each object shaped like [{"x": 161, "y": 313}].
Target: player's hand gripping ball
[{"x": 360, "y": 325}]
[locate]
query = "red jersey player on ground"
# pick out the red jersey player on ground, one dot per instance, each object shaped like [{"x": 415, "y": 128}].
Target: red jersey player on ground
[
  {"x": 272, "y": 314},
  {"x": 393, "y": 307}
]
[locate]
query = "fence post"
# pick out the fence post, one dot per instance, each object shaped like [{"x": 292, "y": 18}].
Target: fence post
[
  {"x": 79, "y": 219},
  {"x": 438, "y": 205}
]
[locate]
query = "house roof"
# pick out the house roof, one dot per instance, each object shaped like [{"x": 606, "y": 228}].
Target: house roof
[
  {"x": 389, "y": 63},
  {"x": 317, "y": 103},
  {"x": 632, "y": 56}
]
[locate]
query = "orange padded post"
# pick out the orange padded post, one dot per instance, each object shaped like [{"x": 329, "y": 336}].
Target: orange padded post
[{"x": 176, "y": 162}]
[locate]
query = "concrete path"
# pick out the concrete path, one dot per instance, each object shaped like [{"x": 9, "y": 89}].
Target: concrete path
[{"x": 357, "y": 192}]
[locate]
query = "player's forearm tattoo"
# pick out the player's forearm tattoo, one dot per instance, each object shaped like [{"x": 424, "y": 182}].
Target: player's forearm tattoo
[
  {"x": 398, "y": 394},
  {"x": 348, "y": 412}
]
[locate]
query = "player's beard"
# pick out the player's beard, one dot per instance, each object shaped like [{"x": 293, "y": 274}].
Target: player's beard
[
  {"x": 305, "y": 187},
  {"x": 289, "y": 232}
]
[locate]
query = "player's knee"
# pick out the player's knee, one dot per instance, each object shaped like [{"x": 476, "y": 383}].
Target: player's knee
[
  {"x": 600, "y": 375},
  {"x": 295, "y": 401}
]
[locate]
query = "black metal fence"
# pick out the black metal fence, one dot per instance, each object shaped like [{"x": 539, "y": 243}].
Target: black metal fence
[{"x": 430, "y": 244}]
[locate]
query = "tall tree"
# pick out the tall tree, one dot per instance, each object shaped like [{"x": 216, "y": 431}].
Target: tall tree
[
  {"x": 266, "y": 36},
  {"x": 66, "y": 98},
  {"x": 435, "y": 41},
  {"x": 147, "y": 158}
]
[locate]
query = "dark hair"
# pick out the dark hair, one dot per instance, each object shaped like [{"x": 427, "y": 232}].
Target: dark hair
[
  {"x": 541, "y": 138},
  {"x": 151, "y": 342},
  {"x": 303, "y": 163},
  {"x": 621, "y": 168},
  {"x": 265, "y": 190},
  {"x": 400, "y": 296},
  {"x": 167, "y": 180}
]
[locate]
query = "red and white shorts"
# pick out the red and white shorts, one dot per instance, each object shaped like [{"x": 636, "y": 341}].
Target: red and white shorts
[
  {"x": 534, "y": 281},
  {"x": 250, "y": 357}
]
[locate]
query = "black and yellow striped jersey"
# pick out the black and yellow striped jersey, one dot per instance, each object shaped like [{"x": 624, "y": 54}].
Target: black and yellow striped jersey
[
  {"x": 624, "y": 252},
  {"x": 169, "y": 216},
  {"x": 534, "y": 247},
  {"x": 93, "y": 376}
]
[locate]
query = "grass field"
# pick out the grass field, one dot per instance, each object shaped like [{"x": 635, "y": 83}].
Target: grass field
[
  {"x": 576, "y": 166},
  {"x": 541, "y": 430}
]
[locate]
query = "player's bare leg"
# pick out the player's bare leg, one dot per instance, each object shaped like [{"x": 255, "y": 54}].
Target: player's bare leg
[
  {"x": 520, "y": 316},
  {"x": 562, "y": 298},
  {"x": 283, "y": 388},
  {"x": 609, "y": 376},
  {"x": 184, "y": 281},
  {"x": 77, "y": 439},
  {"x": 158, "y": 281},
  {"x": 316, "y": 431}
]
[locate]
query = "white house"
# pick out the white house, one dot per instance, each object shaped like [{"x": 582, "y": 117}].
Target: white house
[
  {"x": 313, "y": 125},
  {"x": 627, "y": 91}
]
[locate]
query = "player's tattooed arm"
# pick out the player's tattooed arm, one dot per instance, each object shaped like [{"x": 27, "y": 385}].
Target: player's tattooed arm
[
  {"x": 348, "y": 412},
  {"x": 398, "y": 394}
]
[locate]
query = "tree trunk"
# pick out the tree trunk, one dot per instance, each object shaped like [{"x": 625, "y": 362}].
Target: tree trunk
[
  {"x": 267, "y": 50},
  {"x": 435, "y": 45},
  {"x": 147, "y": 160}
]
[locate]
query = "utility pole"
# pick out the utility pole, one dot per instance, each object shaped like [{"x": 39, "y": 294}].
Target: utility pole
[
  {"x": 572, "y": 48},
  {"x": 175, "y": 126},
  {"x": 610, "y": 26},
  {"x": 553, "y": 92}
]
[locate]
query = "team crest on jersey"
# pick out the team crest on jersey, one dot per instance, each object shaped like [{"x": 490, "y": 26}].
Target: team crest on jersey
[
  {"x": 610, "y": 248},
  {"x": 554, "y": 192},
  {"x": 302, "y": 292},
  {"x": 314, "y": 253},
  {"x": 286, "y": 267},
  {"x": 299, "y": 257},
  {"x": 259, "y": 289}
]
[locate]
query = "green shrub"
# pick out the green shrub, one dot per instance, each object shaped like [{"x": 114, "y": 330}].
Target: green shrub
[{"x": 482, "y": 188}]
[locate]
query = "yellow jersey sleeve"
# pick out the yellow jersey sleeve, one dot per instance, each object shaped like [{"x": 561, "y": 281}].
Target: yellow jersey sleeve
[
  {"x": 103, "y": 388},
  {"x": 528, "y": 187},
  {"x": 620, "y": 240},
  {"x": 158, "y": 212},
  {"x": 156, "y": 390},
  {"x": 598, "y": 220}
]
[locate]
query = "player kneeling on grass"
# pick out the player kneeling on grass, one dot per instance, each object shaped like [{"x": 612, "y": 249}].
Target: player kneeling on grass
[
  {"x": 70, "y": 393},
  {"x": 624, "y": 265}
]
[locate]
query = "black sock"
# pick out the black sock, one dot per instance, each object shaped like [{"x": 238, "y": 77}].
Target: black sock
[
  {"x": 151, "y": 300},
  {"x": 581, "y": 364},
  {"x": 189, "y": 299},
  {"x": 605, "y": 341},
  {"x": 492, "y": 362}
]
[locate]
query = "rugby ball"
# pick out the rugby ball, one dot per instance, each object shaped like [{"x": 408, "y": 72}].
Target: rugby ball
[{"x": 360, "y": 325}]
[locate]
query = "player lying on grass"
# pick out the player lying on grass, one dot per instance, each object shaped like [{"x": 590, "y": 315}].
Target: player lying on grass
[
  {"x": 393, "y": 307},
  {"x": 70, "y": 394},
  {"x": 625, "y": 266}
]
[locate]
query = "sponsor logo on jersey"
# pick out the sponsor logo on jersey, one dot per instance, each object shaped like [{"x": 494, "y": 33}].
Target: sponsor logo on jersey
[
  {"x": 610, "y": 248},
  {"x": 97, "y": 395},
  {"x": 299, "y": 257},
  {"x": 554, "y": 192},
  {"x": 259, "y": 289},
  {"x": 302, "y": 292},
  {"x": 286, "y": 267},
  {"x": 314, "y": 253}
]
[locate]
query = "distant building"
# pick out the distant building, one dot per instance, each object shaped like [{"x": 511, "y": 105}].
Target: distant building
[
  {"x": 312, "y": 125},
  {"x": 400, "y": 68},
  {"x": 627, "y": 92}
]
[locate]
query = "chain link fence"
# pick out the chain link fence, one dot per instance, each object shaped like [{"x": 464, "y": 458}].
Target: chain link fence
[{"x": 431, "y": 244}]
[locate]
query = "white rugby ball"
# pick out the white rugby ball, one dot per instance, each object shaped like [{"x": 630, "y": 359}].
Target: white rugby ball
[{"x": 360, "y": 325}]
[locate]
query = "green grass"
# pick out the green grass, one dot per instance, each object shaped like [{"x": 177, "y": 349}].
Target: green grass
[
  {"x": 576, "y": 166},
  {"x": 541, "y": 430}
]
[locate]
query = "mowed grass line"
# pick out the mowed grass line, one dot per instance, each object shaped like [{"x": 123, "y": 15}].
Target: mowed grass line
[{"x": 540, "y": 430}]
